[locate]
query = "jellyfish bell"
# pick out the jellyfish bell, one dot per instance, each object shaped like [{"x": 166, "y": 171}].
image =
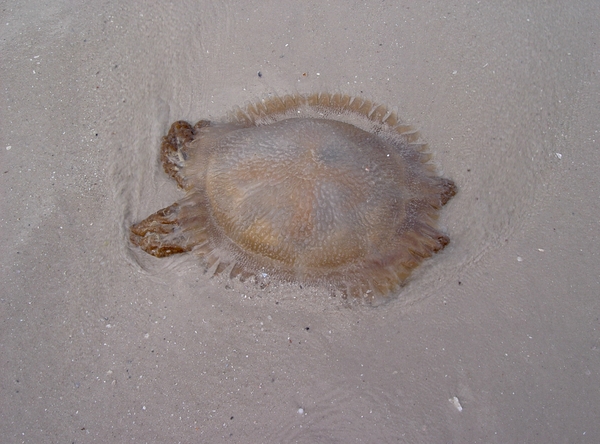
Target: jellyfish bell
[{"x": 325, "y": 189}]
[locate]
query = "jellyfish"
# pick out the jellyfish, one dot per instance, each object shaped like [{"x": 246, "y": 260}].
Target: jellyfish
[{"x": 324, "y": 190}]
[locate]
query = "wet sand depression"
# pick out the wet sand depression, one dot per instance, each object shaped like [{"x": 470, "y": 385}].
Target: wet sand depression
[{"x": 101, "y": 345}]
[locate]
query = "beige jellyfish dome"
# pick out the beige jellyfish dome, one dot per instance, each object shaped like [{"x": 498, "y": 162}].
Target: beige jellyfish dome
[{"x": 322, "y": 190}]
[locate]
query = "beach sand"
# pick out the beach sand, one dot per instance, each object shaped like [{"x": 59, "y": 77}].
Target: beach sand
[{"x": 495, "y": 340}]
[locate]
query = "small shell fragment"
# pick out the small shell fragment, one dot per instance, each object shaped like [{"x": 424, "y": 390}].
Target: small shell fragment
[{"x": 456, "y": 403}]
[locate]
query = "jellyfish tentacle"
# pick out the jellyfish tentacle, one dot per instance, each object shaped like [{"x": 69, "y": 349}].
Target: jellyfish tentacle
[
  {"x": 173, "y": 151},
  {"x": 155, "y": 236}
]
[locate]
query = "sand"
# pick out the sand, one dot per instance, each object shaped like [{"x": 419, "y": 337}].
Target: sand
[{"x": 496, "y": 340}]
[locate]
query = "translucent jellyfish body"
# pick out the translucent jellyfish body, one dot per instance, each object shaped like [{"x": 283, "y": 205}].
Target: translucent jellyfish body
[{"x": 324, "y": 190}]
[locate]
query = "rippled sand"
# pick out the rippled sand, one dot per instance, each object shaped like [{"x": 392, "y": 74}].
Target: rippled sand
[{"x": 496, "y": 340}]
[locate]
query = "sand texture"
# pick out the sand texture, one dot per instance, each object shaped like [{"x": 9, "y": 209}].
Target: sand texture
[{"x": 495, "y": 340}]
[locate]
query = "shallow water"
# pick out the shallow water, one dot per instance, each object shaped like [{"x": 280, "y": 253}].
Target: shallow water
[{"x": 103, "y": 344}]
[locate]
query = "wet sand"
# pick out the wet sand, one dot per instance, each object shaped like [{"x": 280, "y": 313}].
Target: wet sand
[{"x": 497, "y": 339}]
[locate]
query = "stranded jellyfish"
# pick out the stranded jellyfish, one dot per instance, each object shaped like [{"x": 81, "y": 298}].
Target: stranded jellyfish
[{"x": 325, "y": 190}]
